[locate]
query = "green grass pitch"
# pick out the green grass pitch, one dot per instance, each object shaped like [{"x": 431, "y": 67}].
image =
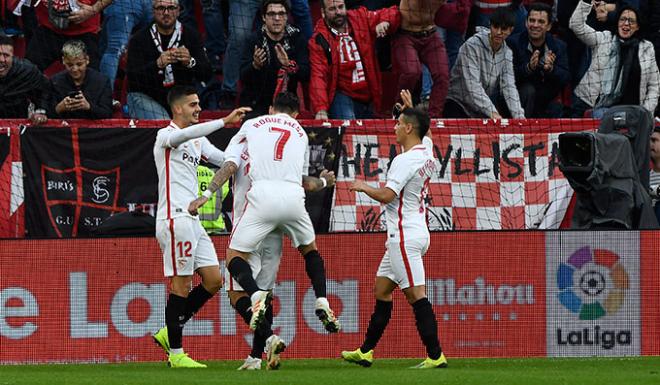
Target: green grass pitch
[{"x": 600, "y": 371}]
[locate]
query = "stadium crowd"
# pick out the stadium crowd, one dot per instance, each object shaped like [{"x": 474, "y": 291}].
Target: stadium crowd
[{"x": 462, "y": 58}]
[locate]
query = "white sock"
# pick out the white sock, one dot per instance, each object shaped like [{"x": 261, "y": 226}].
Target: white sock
[
  {"x": 322, "y": 301},
  {"x": 176, "y": 351}
]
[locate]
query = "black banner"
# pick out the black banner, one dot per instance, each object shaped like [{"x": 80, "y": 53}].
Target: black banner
[{"x": 75, "y": 178}]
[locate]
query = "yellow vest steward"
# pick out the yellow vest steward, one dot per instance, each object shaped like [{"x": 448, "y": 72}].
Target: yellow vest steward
[{"x": 211, "y": 213}]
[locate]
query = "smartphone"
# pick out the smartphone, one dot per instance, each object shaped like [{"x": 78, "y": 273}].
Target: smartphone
[{"x": 74, "y": 94}]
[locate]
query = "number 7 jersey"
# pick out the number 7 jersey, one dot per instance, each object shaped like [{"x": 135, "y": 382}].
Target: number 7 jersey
[
  {"x": 278, "y": 148},
  {"x": 409, "y": 176}
]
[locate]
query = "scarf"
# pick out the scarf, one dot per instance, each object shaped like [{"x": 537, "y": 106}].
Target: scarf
[
  {"x": 282, "y": 83},
  {"x": 168, "y": 72},
  {"x": 622, "y": 58}
]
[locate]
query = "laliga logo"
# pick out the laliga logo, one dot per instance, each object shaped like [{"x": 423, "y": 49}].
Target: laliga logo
[
  {"x": 101, "y": 194},
  {"x": 592, "y": 284}
]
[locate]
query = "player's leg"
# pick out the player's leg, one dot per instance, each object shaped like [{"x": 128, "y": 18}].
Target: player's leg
[
  {"x": 380, "y": 318},
  {"x": 413, "y": 287},
  {"x": 248, "y": 233},
  {"x": 208, "y": 268}
]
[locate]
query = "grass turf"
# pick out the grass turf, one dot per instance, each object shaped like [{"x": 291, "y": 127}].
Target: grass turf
[{"x": 600, "y": 371}]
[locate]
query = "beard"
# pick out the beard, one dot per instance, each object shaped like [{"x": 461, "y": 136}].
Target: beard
[{"x": 337, "y": 21}]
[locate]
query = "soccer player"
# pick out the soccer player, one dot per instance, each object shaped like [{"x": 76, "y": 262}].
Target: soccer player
[
  {"x": 407, "y": 240},
  {"x": 279, "y": 157},
  {"x": 265, "y": 262},
  {"x": 186, "y": 246}
]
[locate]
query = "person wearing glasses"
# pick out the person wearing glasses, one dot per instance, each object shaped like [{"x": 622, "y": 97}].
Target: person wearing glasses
[
  {"x": 160, "y": 56},
  {"x": 623, "y": 68},
  {"x": 275, "y": 59}
]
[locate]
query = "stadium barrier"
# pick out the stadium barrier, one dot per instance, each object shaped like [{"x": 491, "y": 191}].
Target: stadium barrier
[
  {"x": 495, "y": 293},
  {"x": 64, "y": 179}
]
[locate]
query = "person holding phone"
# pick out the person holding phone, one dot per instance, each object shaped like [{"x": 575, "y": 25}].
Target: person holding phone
[{"x": 79, "y": 92}]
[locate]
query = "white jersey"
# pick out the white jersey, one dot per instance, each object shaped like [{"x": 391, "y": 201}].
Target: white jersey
[
  {"x": 237, "y": 153},
  {"x": 177, "y": 171},
  {"x": 278, "y": 148},
  {"x": 409, "y": 177}
]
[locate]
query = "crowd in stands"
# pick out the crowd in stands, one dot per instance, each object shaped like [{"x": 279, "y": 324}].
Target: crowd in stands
[{"x": 462, "y": 58}]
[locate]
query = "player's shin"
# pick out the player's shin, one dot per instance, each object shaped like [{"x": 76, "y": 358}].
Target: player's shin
[
  {"x": 196, "y": 299},
  {"x": 379, "y": 320},
  {"x": 174, "y": 319},
  {"x": 427, "y": 327},
  {"x": 316, "y": 272},
  {"x": 242, "y": 273}
]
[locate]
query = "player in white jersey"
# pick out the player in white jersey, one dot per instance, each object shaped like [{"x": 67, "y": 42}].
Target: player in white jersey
[
  {"x": 186, "y": 247},
  {"x": 264, "y": 263},
  {"x": 407, "y": 239},
  {"x": 279, "y": 157}
]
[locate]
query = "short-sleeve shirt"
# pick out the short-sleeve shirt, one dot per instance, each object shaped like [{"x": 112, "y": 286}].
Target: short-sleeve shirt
[
  {"x": 278, "y": 148},
  {"x": 409, "y": 176},
  {"x": 236, "y": 152},
  {"x": 177, "y": 171}
]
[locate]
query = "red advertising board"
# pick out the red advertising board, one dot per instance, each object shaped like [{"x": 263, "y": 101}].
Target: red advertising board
[{"x": 99, "y": 300}]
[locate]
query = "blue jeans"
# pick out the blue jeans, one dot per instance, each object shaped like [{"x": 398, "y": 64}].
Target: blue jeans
[
  {"x": 302, "y": 16},
  {"x": 343, "y": 107},
  {"x": 214, "y": 24},
  {"x": 241, "y": 19},
  {"x": 453, "y": 42},
  {"x": 119, "y": 19},
  {"x": 142, "y": 106}
]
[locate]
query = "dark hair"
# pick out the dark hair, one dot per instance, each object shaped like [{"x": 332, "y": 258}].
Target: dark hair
[
  {"x": 266, "y": 3},
  {"x": 419, "y": 119},
  {"x": 178, "y": 92},
  {"x": 6, "y": 40},
  {"x": 541, "y": 7},
  {"x": 286, "y": 102},
  {"x": 641, "y": 22},
  {"x": 503, "y": 17}
]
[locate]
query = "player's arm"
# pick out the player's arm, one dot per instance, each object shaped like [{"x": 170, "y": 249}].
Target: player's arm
[
  {"x": 177, "y": 137},
  {"x": 220, "y": 178},
  {"x": 313, "y": 184},
  {"x": 383, "y": 194}
]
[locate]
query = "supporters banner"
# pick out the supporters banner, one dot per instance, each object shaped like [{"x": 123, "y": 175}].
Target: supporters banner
[
  {"x": 593, "y": 293},
  {"x": 11, "y": 184},
  {"x": 76, "y": 177},
  {"x": 485, "y": 181}
]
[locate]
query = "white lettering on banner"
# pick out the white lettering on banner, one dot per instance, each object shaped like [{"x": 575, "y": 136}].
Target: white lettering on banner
[
  {"x": 59, "y": 185},
  {"x": 444, "y": 292},
  {"x": 29, "y": 308},
  {"x": 64, "y": 220},
  {"x": 80, "y": 327},
  {"x": 154, "y": 295}
]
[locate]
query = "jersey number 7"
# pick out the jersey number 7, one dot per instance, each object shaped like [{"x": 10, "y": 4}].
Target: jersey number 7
[{"x": 281, "y": 141}]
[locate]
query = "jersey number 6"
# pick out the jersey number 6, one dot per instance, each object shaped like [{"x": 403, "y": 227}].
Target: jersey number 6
[{"x": 281, "y": 141}]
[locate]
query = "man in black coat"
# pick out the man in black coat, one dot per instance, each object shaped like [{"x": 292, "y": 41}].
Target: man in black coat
[
  {"x": 162, "y": 55},
  {"x": 276, "y": 59},
  {"x": 21, "y": 84}
]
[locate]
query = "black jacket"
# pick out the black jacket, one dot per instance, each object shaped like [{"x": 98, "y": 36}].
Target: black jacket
[
  {"x": 23, "y": 84},
  {"x": 144, "y": 75},
  {"x": 95, "y": 87},
  {"x": 259, "y": 85}
]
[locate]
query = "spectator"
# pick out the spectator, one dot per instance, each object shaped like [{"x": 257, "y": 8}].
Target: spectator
[
  {"x": 63, "y": 20},
  {"x": 540, "y": 63},
  {"x": 21, "y": 85},
  {"x": 79, "y": 92},
  {"x": 483, "y": 11},
  {"x": 623, "y": 68},
  {"x": 214, "y": 26},
  {"x": 452, "y": 18},
  {"x": 119, "y": 20},
  {"x": 345, "y": 79},
  {"x": 418, "y": 42},
  {"x": 276, "y": 59},
  {"x": 160, "y": 56},
  {"x": 655, "y": 170},
  {"x": 654, "y": 36},
  {"x": 482, "y": 83}
]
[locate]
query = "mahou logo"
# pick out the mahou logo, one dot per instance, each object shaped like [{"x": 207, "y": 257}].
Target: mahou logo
[{"x": 592, "y": 283}]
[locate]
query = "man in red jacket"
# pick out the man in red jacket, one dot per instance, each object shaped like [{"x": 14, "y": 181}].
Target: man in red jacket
[{"x": 345, "y": 79}]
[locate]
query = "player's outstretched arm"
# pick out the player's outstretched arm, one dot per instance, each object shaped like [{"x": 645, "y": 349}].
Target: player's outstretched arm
[
  {"x": 313, "y": 184},
  {"x": 382, "y": 194},
  {"x": 220, "y": 178},
  {"x": 203, "y": 129}
]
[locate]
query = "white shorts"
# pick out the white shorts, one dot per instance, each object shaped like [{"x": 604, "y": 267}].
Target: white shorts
[
  {"x": 272, "y": 205},
  {"x": 404, "y": 270},
  {"x": 264, "y": 264},
  {"x": 186, "y": 246}
]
